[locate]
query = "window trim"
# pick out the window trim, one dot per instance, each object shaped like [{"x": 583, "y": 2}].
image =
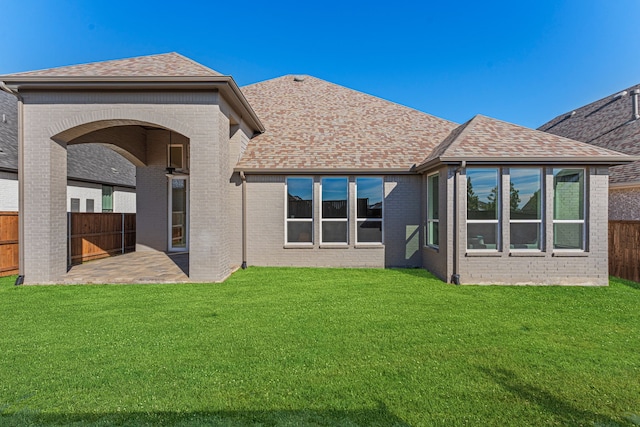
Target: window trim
[
  {"x": 540, "y": 222},
  {"x": 358, "y": 219},
  {"x": 286, "y": 213},
  {"x": 497, "y": 221},
  {"x": 432, "y": 220},
  {"x": 582, "y": 221},
  {"x": 323, "y": 219}
]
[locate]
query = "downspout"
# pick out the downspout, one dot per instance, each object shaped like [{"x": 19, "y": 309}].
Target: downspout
[
  {"x": 455, "y": 277},
  {"x": 3, "y": 87},
  {"x": 244, "y": 220}
]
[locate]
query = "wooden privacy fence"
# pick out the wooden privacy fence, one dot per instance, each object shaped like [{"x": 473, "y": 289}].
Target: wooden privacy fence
[
  {"x": 100, "y": 235},
  {"x": 9, "y": 249},
  {"x": 624, "y": 249}
]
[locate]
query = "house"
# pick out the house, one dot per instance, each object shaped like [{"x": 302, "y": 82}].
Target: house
[
  {"x": 611, "y": 122},
  {"x": 297, "y": 171},
  {"x": 98, "y": 179}
]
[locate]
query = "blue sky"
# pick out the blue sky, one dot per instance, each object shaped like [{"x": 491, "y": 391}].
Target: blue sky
[{"x": 520, "y": 61}]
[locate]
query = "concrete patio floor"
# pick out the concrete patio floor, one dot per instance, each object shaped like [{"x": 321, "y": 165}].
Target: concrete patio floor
[{"x": 134, "y": 267}]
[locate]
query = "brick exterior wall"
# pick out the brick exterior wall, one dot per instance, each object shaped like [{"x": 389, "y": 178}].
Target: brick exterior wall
[
  {"x": 548, "y": 267},
  {"x": 266, "y": 221}
]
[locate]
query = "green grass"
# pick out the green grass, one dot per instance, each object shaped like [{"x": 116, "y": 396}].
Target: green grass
[{"x": 274, "y": 346}]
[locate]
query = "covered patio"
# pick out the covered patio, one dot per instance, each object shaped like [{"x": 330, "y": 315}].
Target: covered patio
[{"x": 134, "y": 267}]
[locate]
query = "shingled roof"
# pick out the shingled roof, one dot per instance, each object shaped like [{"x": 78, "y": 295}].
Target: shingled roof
[
  {"x": 163, "y": 65},
  {"x": 607, "y": 123},
  {"x": 312, "y": 124},
  {"x": 486, "y": 139}
]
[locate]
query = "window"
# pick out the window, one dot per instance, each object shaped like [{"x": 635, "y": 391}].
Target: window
[
  {"x": 433, "y": 207},
  {"x": 299, "y": 220},
  {"x": 75, "y": 205},
  {"x": 175, "y": 157},
  {"x": 89, "y": 205},
  {"x": 525, "y": 207},
  {"x": 369, "y": 195},
  {"x": 483, "y": 208},
  {"x": 335, "y": 208},
  {"x": 107, "y": 198},
  {"x": 568, "y": 209}
]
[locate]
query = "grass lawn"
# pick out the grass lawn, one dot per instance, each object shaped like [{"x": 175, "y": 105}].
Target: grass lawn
[{"x": 274, "y": 346}]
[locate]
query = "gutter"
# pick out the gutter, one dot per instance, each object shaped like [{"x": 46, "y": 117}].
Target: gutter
[
  {"x": 455, "y": 276},
  {"x": 5, "y": 88},
  {"x": 327, "y": 171},
  {"x": 244, "y": 220}
]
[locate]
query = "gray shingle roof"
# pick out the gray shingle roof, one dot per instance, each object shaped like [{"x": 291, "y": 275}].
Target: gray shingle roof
[
  {"x": 163, "y": 65},
  {"x": 605, "y": 123},
  {"x": 484, "y": 138},
  {"x": 85, "y": 162},
  {"x": 316, "y": 125}
]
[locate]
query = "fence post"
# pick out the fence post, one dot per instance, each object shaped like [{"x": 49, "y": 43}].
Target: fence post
[{"x": 122, "y": 232}]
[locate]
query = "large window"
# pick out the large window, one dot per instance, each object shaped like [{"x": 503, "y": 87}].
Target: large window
[
  {"x": 433, "y": 206},
  {"x": 335, "y": 208},
  {"x": 299, "y": 220},
  {"x": 525, "y": 207},
  {"x": 483, "y": 208},
  {"x": 568, "y": 209},
  {"x": 369, "y": 196},
  {"x": 107, "y": 198}
]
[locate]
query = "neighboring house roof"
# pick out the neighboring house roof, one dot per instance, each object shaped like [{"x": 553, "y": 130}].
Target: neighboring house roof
[
  {"x": 85, "y": 162},
  {"x": 609, "y": 123},
  {"x": 314, "y": 125},
  {"x": 483, "y": 139},
  {"x": 164, "y": 65}
]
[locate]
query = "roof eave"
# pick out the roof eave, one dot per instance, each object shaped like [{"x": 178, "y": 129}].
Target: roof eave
[
  {"x": 583, "y": 160},
  {"x": 325, "y": 171},
  {"x": 225, "y": 84}
]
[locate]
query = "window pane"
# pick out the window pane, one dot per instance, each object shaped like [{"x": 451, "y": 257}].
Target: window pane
[
  {"x": 482, "y": 236},
  {"x": 482, "y": 193},
  {"x": 525, "y": 199},
  {"x": 369, "y": 197},
  {"x": 89, "y": 205},
  {"x": 370, "y": 231},
  {"x": 299, "y": 232},
  {"x": 525, "y": 236},
  {"x": 107, "y": 198},
  {"x": 568, "y": 187},
  {"x": 432, "y": 232},
  {"x": 433, "y": 191},
  {"x": 300, "y": 198},
  {"x": 75, "y": 205},
  {"x": 568, "y": 236},
  {"x": 334, "y": 231},
  {"x": 334, "y": 197}
]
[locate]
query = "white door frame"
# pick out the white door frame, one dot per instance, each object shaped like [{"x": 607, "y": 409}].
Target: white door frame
[{"x": 170, "y": 247}]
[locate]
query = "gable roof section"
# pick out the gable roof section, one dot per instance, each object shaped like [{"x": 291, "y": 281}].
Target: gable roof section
[
  {"x": 607, "y": 123},
  {"x": 313, "y": 125},
  {"x": 164, "y": 65},
  {"x": 483, "y": 139}
]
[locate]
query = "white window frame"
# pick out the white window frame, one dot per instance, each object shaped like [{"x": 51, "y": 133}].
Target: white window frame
[
  {"x": 358, "y": 219},
  {"x": 323, "y": 219},
  {"x": 572, "y": 221},
  {"x": 530, "y": 221},
  {"x": 429, "y": 219},
  {"x": 486, "y": 221},
  {"x": 286, "y": 213}
]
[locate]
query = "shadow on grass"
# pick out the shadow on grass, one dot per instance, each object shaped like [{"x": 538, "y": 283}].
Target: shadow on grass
[
  {"x": 564, "y": 413},
  {"x": 625, "y": 282},
  {"x": 379, "y": 416}
]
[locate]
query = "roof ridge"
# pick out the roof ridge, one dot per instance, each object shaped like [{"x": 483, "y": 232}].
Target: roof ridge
[
  {"x": 194, "y": 62},
  {"x": 455, "y": 134}
]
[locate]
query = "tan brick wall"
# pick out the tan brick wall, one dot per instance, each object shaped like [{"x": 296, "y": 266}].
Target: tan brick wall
[{"x": 548, "y": 267}]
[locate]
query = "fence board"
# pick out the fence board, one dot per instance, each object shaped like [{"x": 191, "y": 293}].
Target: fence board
[
  {"x": 624, "y": 249},
  {"x": 100, "y": 235},
  {"x": 9, "y": 247}
]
